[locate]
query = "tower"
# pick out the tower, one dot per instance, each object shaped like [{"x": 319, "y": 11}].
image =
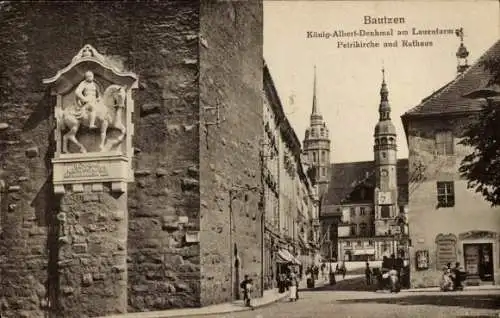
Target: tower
[
  {"x": 386, "y": 191},
  {"x": 317, "y": 146}
]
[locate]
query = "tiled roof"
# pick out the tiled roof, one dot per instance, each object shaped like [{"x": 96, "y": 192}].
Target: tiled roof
[
  {"x": 449, "y": 98},
  {"x": 346, "y": 178}
]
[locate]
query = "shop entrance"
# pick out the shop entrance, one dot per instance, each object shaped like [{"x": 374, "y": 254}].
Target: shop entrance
[{"x": 479, "y": 261}]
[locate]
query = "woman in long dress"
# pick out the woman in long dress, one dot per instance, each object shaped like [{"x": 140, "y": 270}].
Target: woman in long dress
[
  {"x": 446, "y": 281},
  {"x": 293, "y": 287}
]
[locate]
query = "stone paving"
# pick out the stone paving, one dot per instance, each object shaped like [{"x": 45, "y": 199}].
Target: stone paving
[
  {"x": 350, "y": 304},
  {"x": 352, "y": 298}
]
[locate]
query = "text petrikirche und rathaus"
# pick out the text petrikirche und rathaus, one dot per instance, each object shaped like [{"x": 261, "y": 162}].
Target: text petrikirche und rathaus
[{"x": 377, "y": 32}]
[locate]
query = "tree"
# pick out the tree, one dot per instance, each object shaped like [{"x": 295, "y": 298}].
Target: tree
[{"x": 482, "y": 167}]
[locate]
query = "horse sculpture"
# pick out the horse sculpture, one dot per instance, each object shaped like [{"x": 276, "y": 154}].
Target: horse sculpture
[{"x": 108, "y": 113}]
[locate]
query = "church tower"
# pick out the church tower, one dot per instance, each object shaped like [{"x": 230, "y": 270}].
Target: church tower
[
  {"x": 317, "y": 146},
  {"x": 386, "y": 191}
]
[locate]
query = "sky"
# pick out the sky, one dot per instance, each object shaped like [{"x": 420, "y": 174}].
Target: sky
[{"x": 348, "y": 79}]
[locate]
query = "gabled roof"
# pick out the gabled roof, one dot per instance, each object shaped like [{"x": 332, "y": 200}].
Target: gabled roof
[
  {"x": 450, "y": 99},
  {"x": 346, "y": 178}
]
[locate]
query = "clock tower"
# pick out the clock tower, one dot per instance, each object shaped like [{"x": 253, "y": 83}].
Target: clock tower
[{"x": 386, "y": 191}]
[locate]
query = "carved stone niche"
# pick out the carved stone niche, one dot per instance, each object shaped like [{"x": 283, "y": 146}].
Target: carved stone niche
[{"x": 94, "y": 126}]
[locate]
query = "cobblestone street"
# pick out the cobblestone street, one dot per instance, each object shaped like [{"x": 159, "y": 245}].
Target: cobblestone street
[
  {"x": 347, "y": 299},
  {"x": 368, "y": 304}
]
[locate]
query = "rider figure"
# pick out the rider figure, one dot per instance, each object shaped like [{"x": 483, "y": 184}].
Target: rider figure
[{"x": 87, "y": 94}]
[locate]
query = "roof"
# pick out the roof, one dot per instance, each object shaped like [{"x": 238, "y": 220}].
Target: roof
[
  {"x": 349, "y": 177},
  {"x": 285, "y": 127},
  {"x": 450, "y": 99}
]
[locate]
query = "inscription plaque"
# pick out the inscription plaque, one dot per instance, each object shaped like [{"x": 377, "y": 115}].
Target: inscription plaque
[
  {"x": 86, "y": 169},
  {"x": 446, "y": 251}
]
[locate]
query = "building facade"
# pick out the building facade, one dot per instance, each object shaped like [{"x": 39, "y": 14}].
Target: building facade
[
  {"x": 187, "y": 229},
  {"x": 448, "y": 222},
  {"x": 368, "y": 200},
  {"x": 290, "y": 204}
]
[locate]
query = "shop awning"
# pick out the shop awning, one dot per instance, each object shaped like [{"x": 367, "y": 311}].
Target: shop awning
[
  {"x": 284, "y": 256},
  {"x": 303, "y": 243},
  {"x": 369, "y": 251}
]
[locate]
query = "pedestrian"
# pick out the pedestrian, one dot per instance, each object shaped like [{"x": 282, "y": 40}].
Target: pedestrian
[
  {"x": 247, "y": 285},
  {"x": 368, "y": 274},
  {"x": 446, "y": 282},
  {"x": 281, "y": 283},
  {"x": 457, "y": 277},
  {"x": 316, "y": 272},
  {"x": 344, "y": 270},
  {"x": 293, "y": 287}
]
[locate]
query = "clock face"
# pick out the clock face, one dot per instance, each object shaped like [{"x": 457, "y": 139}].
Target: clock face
[{"x": 384, "y": 173}]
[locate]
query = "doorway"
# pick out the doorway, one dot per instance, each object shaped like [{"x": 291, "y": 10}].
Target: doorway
[{"x": 479, "y": 260}]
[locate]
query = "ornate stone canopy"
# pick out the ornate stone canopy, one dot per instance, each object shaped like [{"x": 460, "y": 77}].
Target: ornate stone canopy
[
  {"x": 475, "y": 235},
  {"x": 88, "y": 59}
]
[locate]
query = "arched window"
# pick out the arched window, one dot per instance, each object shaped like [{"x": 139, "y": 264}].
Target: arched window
[
  {"x": 376, "y": 142},
  {"x": 384, "y": 141},
  {"x": 323, "y": 156}
]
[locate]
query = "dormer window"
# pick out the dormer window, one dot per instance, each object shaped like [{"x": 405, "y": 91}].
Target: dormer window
[{"x": 444, "y": 143}]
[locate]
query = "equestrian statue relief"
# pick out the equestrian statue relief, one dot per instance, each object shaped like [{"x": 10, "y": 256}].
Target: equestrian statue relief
[{"x": 94, "y": 110}]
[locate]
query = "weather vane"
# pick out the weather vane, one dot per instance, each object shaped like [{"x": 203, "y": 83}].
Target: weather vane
[{"x": 460, "y": 34}]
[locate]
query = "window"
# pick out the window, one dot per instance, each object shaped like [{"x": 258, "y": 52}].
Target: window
[
  {"x": 314, "y": 157},
  {"x": 444, "y": 143},
  {"x": 332, "y": 232},
  {"x": 362, "y": 211},
  {"x": 385, "y": 246},
  {"x": 358, "y": 243},
  {"x": 353, "y": 212},
  {"x": 347, "y": 243},
  {"x": 385, "y": 212},
  {"x": 370, "y": 243},
  {"x": 402, "y": 209},
  {"x": 353, "y": 229},
  {"x": 323, "y": 172},
  {"x": 363, "y": 229},
  {"x": 445, "y": 194},
  {"x": 323, "y": 156}
]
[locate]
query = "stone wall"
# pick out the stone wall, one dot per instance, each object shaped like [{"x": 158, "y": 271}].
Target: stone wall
[
  {"x": 163, "y": 270},
  {"x": 426, "y": 220},
  {"x": 162, "y": 44},
  {"x": 231, "y": 80},
  {"x": 92, "y": 254}
]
